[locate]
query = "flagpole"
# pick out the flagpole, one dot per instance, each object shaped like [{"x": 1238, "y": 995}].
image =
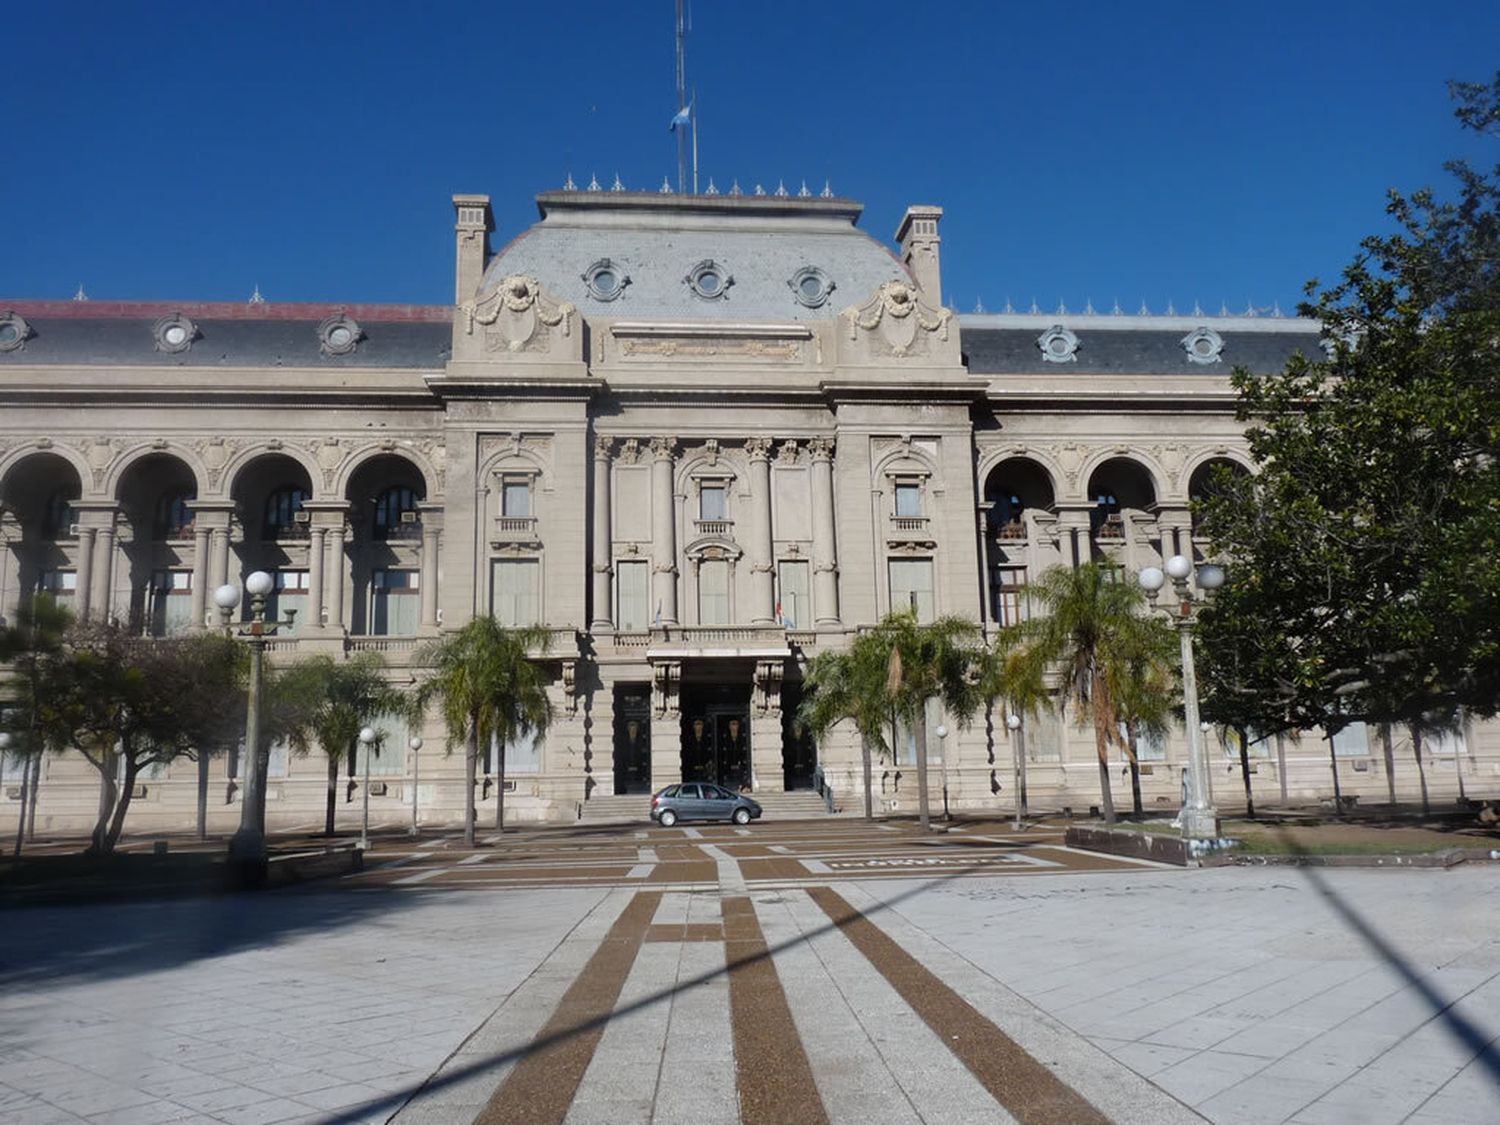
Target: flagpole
[
  {"x": 693, "y": 107},
  {"x": 681, "y": 97}
]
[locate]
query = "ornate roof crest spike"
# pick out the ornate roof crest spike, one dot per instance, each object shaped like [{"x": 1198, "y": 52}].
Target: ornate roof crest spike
[
  {"x": 734, "y": 188},
  {"x": 827, "y": 192},
  {"x": 712, "y": 190},
  {"x": 568, "y": 184},
  {"x": 979, "y": 304},
  {"x": 617, "y": 185},
  {"x": 1197, "y": 309},
  {"x": 1036, "y": 309},
  {"x": 256, "y": 298},
  {"x": 666, "y": 187},
  {"x": 1009, "y": 309},
  {"x": 1249, "y": 309},
  {"x": 1144, "y": 311},
  {"x": 802, "y": 192},
  {"x": 1116, "y": 310},
  {"x": 1224, "y": 309},
  {"x": 593, "y": 184},
  {"x": 1276, "y": 309},
  {"x": 1062, "y": 309},
  {"x": 1171, "y": 310},
  {"x": 1088, "y": 307},
  {"x": 80, "y": 295},
  {"x": 759, "y": 190},
  {"x": 780, "y": 189}
]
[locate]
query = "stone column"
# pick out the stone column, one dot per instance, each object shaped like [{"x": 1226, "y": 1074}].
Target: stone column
[
  {"x": 666, "y": 725},
  {"x": 335, "y": 572},
  {"x": 428, "y": 576},
  {"x": 825, "y": 548},
  {"x": 762, "y": 583},
  {"x": 103, "y": 576},
  {"x": 84, "y": 574},
  {"x": 766, "y": 770},
  {"x": 200, "y": 601},
  {"x": 603, "y": 611},
  {"x": 663, "y": 536},
  {"x": 220, "y": 556},
  {"x": 986, "y": 577},
  {"x": 317, "y": 545}
]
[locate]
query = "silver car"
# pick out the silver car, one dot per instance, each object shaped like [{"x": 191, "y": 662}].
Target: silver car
[{"x": 701, "y": 800}]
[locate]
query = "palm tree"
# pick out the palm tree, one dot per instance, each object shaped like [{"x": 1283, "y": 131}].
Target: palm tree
[
  {"x": 885, "y": 678},
  {"x": 1145, "y": 690},
  {"x": 40, "y": 626},
  {"x": 332, "y": 700},
  {"x": 490, "y": 690},
  {"x": 1087, "y": 629}
]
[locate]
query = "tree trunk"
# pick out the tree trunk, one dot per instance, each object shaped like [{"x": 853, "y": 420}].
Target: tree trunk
[
  {"x": 35, "y": 792},
  {"x": 109, "y": 795},
  {"x": 1416, "y": 747},
  {"x": 869, "y": 768},
  {"x": 471, "y": 758},
  {"x": 351, "y": 766},
  {"x": 1333, "y": 761},
  {"x": 500, "y": 792},
  {"x": 26, "y": 784},
  {"x": 122, "y": 806},
  {"x": 202, "y": 794},
  {"x": 1245, "y": 772},
  {"x": 331, "y": 798},
  {"x": 1135, "y": 769},
  {"x": 1387, "y": 743},
  {"x": 920, "y": 731},
  {"x": 1101, "y": 744}
]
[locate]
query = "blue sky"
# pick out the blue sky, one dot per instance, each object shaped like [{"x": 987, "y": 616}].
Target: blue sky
[{"x": 1082, "y": 151}]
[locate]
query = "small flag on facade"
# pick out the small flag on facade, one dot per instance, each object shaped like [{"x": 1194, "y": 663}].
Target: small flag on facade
[
  {"x": 682, "y": 118},
  {"x": 658, "y": 613}
]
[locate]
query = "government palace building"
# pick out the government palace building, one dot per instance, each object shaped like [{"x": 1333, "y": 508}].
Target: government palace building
[{"x": 700, "y": 438}]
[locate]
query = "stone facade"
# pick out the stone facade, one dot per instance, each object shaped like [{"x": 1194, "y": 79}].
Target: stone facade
[{"x": 701, "y": 438}]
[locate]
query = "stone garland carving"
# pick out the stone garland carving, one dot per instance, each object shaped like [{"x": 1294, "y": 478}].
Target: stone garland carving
[
  {"x": 820, "y": 449},
  {"x": 758, "y": 448},
  {"x": 663, "y": 448},
  {"x": 666, "y": 679},
  {"x": 768, "y": 677},
  {"x": 522, "y": 315},
  {"x": 895, "y": 316},
  {"x": 789, "y": 452}
]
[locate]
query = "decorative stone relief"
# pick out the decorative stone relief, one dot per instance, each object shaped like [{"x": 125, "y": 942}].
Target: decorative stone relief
[
  {"x": 603, "y": 446},
  {"x": 1059, "y": 345},
  {"x": 895, "y": 323},
  {"x": 665, "y": 681},
  {"x": 630, "y": 451},
  {"x": 1069, "y": 458},
  {"x": 1171, "y": 458},
  {"x": 100, "y": 453},
  {"x": 711, "y": 450},
  {"x": 14, "y": 331},
  {"x": 1203, "y": 345},
  {"x": 820, "y": 448},
  {"x": 215, "y": 452},
  {"x": 758, "y": 448},
  {"x": 518, "y": 316},
  {"x": 570, "y": 686},
  {"x": 789, "y": 452},
  {"x": 174, "y": 333},
  {"x": 811, "y": 287},
  {"x": 663, "y": 448},
  {"x": 768, "y": 677},
  {"x": 329, "y": 454},
  {"x": 339, "y": 334}
]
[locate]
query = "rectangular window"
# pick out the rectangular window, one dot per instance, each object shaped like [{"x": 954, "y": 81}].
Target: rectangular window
[
  {"x": 796, "y": 603},
  {"x": 1043, "y": 737},
  {"x": 171, "y": 602},
  {"x": 908, "y": 499},
  {"x": 396, "y": 603},
  {"x": 524, "y": 755},
  {"x": 1010, "y": 594},
  {"x": 389, "y": 757},
  {"x": 515, "y": 499},
  {"x": 280, "y": 760},
  {"x": 290, "y": 593},
  {"x": 911, "y": 587},
  {"x": 1148, "y": 747},
  {"x": 515, "y": 589},
  {"x": 58, "y": 583},
  {"x": 713, "y": 592},
  {"x": 633, "y": 594},
  {"x": 1352, "y": 742},
  {"x": 711, "y": 504}
]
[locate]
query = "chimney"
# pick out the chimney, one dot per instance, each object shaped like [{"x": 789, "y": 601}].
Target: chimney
[
  {"x": 473, "y": 225},
  {"x": 918, "y": 237}
]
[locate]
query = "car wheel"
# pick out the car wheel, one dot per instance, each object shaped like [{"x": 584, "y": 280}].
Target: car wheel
[
  {"x": 668, "y": 819},
  {"x": 741, "y": 816}
]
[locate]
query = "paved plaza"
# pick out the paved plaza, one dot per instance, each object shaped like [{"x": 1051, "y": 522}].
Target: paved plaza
[{"x": 825, "y": 971}]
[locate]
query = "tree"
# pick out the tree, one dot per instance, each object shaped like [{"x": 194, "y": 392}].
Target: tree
[
  {"x": 1366, "y": 549},
  {"x": 1090, "y": 632},
  {"x": 328, "y": 702},
  {"x": 28, "y": 646},
  {"x": 884, "y": 680},
  {"x": 490, "y": 690},
  {"x": 127, "y": 703},
  {"x": 1144, "y": 686}
]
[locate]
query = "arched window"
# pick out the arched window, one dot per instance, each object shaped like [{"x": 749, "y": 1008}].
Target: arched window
[
  {"x": 282, "y": 507},
  {"x": 59, "y": 518},
  {"x": 173, "y": 518},
  {"x": 390, "y": 506}
]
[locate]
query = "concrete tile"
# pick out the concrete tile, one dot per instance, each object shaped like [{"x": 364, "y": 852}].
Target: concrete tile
[
  {"x": 1196, "y": 1079},
  {"x": 1146, "y": 1059}
]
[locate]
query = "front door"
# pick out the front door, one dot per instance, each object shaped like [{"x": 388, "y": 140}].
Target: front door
[
  {"x": 716, "y": 745},
  {"x": 632, "y": 738}
]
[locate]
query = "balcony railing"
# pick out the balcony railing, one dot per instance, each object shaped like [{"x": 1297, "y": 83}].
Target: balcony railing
[
  {"x": 724, "y": 529},
  {"x": 1015, "y": 529},
  {"x": 909, "y": 524}
]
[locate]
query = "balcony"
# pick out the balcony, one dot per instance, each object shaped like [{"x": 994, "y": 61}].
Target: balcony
[
  {"x": 515, "y": 529},
  {"x": 1015, "y": 529},
  {"x": 719, "y": 529}
]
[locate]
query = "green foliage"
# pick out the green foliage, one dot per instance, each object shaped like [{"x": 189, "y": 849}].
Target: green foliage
[
  {"x": 487, "y": 686},
  {"x": 1089, "y": 647},
  {"x": 888, "y": 673},
  {"x": 1366, "y": 551}
]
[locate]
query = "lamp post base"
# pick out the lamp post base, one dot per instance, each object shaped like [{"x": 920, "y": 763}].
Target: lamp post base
[{"x": 1199, "y": 824}]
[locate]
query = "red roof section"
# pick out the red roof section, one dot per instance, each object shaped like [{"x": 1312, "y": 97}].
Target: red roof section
[{"x": 223, "y": 310}]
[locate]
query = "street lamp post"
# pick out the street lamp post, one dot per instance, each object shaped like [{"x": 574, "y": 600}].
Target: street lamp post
[
  {"x": 1018, "y": 748},
  {"x": 247, "y": 847},
  {"x": 415, "y": 742},
  {"x": 942, "y": 733},
  {"x": 367, "y": 737},
  {"x": 1198, "y": 819}
]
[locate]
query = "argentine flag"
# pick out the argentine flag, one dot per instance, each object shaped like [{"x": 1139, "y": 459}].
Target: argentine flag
[{"x": 683, "y": 115}]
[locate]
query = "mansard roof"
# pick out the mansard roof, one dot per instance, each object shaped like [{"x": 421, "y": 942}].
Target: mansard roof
[
  {"x": 1012, "y": 344},
  {"x": 228, "y": 334},
  {"x": 655, "y": 241}
]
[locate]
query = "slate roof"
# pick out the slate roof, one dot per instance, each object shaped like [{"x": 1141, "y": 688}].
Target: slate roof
[
  {"x": 761, "y": 241},
  {"x": 1006, "y": 344},
  {"x": 229, "y": 335}
]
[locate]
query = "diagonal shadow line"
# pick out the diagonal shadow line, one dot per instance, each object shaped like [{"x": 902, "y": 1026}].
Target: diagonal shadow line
[
  {"x": 1463, "y": 1029},
  {"x": 359, "y": 1113}
]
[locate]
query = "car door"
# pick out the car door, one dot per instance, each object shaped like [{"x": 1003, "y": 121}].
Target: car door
[
  {"x": 689, "y": 804},
  {"x": 718, "y": 803}
]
